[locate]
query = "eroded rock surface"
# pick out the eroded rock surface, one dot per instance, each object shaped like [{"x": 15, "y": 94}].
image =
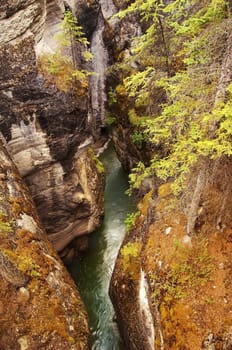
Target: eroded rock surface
[
  {"x": 45, "y": 128},
  {"x": 40, "y": 307}
]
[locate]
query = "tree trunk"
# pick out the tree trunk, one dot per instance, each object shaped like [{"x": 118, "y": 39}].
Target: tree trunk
[{"x": 193, "y": 210}]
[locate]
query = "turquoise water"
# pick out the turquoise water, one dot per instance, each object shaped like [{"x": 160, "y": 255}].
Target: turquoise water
[{"x": 93, "y": 273}]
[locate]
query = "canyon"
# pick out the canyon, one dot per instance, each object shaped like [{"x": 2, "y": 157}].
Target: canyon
[{"x": 65, "y": 91}]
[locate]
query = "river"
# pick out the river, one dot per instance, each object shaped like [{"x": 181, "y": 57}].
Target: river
[{"x": 92, "y": 274}]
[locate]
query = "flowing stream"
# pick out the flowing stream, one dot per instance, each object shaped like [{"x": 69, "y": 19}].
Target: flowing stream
[{"x": 93, "y": 273}]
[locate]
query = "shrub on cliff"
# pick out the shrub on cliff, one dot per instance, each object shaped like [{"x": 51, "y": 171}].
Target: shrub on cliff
[
  {"x": 179, "y": 65},
  {"x": 61, "y": 68}
]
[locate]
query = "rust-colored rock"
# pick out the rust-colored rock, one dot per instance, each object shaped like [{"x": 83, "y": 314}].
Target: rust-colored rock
[
  {"x": 40, "y": 307},
  {"x": 189, "y": 278}
]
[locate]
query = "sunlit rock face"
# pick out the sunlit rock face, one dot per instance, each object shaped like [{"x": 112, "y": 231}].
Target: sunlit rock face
[
  {"x": 40, "y": 307},
  {"x": 45, "y": 129}
]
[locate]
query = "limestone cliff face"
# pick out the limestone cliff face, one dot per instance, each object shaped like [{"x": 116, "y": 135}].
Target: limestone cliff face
[
  {"x": 44, "y": 127},
  {"x": 40, "y": 307}
]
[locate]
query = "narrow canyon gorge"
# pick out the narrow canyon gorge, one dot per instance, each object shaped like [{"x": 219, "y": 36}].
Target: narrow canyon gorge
[{"x": 115, "y": 175}]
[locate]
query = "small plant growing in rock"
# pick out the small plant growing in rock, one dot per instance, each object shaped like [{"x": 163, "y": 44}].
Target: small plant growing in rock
[
  {"x": 61, "y": 68},
  {"x": 131, "y": 249},
  {"x": 110, "y": 119},
  {"x": 130, "y": 220},
  {"x": 138, "y": 139},
  {"x": 98, "y": 163},
  {"x": 5, "y": 226},
  {"x": 131, "y": 259}
]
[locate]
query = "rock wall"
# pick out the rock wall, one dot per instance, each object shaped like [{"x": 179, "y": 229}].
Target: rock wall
[
  {"x": 40, "y": 307},
  {"x": 118, "y": 37},
  {"x": 45, "y": 127},
  {"x": 127, "y": 290},
  {"x": 189, "y": 277},
  {"x": 179, "y": 246}
]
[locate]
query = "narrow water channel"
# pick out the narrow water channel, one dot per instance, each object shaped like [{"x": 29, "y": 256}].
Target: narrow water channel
[{"x": 93, "y": 273}]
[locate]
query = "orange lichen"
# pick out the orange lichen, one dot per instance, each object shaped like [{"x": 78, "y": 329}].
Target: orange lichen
[
  {"x": 176, "y": 323},
  {"x": 165, "y": 190},
  {"x": 19, "y": 205},
  {"x": 202, "y": 281},
  {"x": 130, "y": 254},
  {"x": 144, "y": 204}
]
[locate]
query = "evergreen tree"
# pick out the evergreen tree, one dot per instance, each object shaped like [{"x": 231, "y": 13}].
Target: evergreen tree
[
  {"x": 63, "y": 68},
  {"x": 185, "y": 52}
]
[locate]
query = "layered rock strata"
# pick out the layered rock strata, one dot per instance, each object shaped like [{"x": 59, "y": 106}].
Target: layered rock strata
[
  {"x": 44, "y": 127},
  {"x": 40, "y": 307}
]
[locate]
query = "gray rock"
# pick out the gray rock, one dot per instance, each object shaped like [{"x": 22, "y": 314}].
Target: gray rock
[{"x": 43, "y": 126}]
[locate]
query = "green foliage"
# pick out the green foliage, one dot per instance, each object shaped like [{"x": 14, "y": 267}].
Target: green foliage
[
  {"x": 110, "y": 119},
  {"x": 180, "y": 54},
  {"x": 132, "y": 249},
  {"x": 131, "y": 259},
  {"x": 138, "y": 81},
  {"x": 20, "y": 264},
  {"x": 71, "y": 31},
  {"x": 138, "y": 139},
  {"x": 60, "y": 68},
  {"x": 5, "y": 227},
  {"x": 137, "y": 176},
  {"x": 213, "y": 12},
  {"x": 135, "y": 119},
  {"x": 222, "y": 114},
  {"x": 148, "y": 9},
  {"x": 99, "y": 165},
  {"x": 87, "y": 55},
  {"x": 130, "y": 220},
  {"x": 112, "y": 99},
  {"x": 27, "y": 265}
]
